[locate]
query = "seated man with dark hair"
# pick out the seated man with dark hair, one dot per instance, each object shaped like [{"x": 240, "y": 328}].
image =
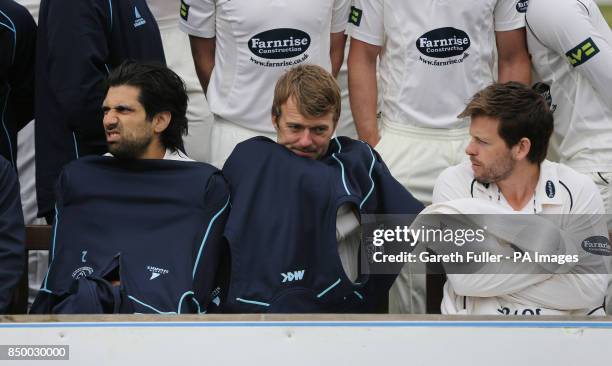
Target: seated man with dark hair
[
  {"x": 141, "y": 230},
  {"x": 144, "y": 113},
  {"x": 293, "y": 231}
]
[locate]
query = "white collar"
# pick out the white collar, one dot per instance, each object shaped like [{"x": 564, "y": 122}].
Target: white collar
[
  {"x": 170, "y": 155},
  {"x": 176, "y": 155},
  {"x": 546, "y": 190}
]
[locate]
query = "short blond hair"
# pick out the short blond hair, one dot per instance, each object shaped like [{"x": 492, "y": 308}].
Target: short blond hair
[{"x": 315, "y": 92}]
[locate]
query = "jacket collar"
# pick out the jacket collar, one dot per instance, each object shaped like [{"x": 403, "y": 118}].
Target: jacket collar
[{"x": 546, "y": 190}]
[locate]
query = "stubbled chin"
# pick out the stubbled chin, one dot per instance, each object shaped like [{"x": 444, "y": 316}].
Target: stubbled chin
[{"x": 112, "y": 147}]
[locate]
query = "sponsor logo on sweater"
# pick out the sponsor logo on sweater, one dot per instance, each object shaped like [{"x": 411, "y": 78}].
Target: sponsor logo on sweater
[
  {"x": 293, "y": 276},
  {"x": 355, "y": 16},
  {"x": 156, "y": 272},
  {"x": 82, "y": 272},
  {"x": 521, "y": 6},
  {"x": 448, "y": 43},
  {"x": 138, "y": 20},
  {"x": 279, "y": 47},
  {"x": 550, "y": 189},
  {"x": 580, "y": 54},
  {"x": 598, "y": 245},
  {"x": 184, "y": 12}
]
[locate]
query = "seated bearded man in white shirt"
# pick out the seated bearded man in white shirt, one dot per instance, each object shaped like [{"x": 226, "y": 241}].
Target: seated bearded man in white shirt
[{"x": 507, "y": 173}]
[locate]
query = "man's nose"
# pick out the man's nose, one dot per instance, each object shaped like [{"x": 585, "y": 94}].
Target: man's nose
[
  {"x": 305, "y": 138},
  {"x": 470, "y": 149},
  {"x": 109, "y": 119}
]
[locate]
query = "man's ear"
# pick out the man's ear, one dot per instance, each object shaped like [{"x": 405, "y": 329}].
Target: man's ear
[
  {"x": 522, "y": 148},
  {"x": 161, "y": 121},
  {"x": 275, "y": 121}
]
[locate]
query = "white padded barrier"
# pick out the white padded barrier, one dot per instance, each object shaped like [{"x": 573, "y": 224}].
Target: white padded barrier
[{"x": 316, "y": 340}]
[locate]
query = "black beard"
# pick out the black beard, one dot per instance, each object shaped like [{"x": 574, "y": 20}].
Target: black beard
[{"x": 129, "y": 150}]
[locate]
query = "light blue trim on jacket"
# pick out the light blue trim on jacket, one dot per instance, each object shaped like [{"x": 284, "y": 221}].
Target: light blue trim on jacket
[
  {"x": 12, "y": 29},
  {"x": 370, "y": 176},
  {"x": 328, "y": 289},
  {"x": 8, "y": 136},
  {"x": 183, "y": 298},
  {"x": 253, "y": 302},
  {"x": 149, "y": 306},
  {"x": 52, "y": 252},
  {"x": 210, "y": 224}
]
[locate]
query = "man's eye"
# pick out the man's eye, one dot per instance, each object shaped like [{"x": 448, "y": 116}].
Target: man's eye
[
  {"x": 320, "y": 130},
  {"x": 123, "y": 110},
  {"x": 294, "y": 127}
]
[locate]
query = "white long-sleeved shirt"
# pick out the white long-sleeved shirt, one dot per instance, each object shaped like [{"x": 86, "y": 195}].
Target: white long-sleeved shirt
[
  {"x": 571, "y": 48},
  {"x": 573, "y": 199}
]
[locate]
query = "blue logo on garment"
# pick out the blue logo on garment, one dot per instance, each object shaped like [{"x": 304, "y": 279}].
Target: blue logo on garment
[
  {"x": 293, "y": 276},
  {"x": 521, "y": 6},
  {"x": 138, "y": 19},
  {"x": 550, "y": 189}
]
